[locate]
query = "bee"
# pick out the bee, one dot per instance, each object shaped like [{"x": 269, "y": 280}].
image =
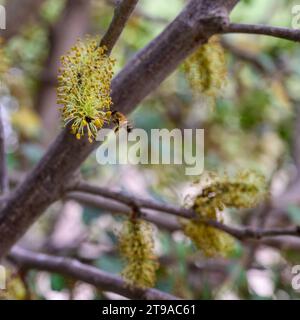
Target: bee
[
  {"x": 120, "y": 120},
  {"x": 79, "y": 78},
  {"x": 88, "y": 119}
]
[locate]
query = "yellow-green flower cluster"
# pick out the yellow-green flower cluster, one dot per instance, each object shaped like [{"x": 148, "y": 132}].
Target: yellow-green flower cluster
[
  {"x": 212, "y": 242},
  {"x": 15, "y": 288},
  {"x": 206, "y": 69},
  {"x": 84, "y": 88},
  {"x": 136, "y": 246},
  {"x": 4, "y": 64},
  {"x": 245, "y": 190}
]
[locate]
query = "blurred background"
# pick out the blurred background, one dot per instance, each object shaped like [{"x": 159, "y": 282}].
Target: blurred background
[{"x": 255, "y": 124}]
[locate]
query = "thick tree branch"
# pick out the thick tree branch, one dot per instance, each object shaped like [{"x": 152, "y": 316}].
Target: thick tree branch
[
  {"x": 278, "y": 32},
  {"x": 83, "y": 272},
  {"x": 45, "y": 184},
  {"x": 122, "y": 12}
]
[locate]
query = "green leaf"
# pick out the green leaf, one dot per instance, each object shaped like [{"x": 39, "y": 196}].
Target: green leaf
[{"x": 58, "y": 282}]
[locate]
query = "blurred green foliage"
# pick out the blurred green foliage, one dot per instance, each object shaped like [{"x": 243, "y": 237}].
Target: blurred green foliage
[{"x": 251, "y": 126}]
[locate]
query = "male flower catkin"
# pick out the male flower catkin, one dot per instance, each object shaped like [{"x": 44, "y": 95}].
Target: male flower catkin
[
  {"x": 84, "y": 88},
  {"x": 206, "y": 69},
  {"x": 136, "y": 245},
  {"x": 4, "y": 64},
  {"x": 245, "y": 190}
]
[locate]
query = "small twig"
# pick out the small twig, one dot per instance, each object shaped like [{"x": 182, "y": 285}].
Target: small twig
[
  {"x": 129, "y": 200},
  {"x": 241, "y": 233},
  {"x": 3, "y": 168},
  {"x": 83, "y": 272},
  {"x": 122, "y": 13},
  {"x": 142, "y": 14},
  {"x": 247, "y": 233},
  {"x": 278, "y": 32}
]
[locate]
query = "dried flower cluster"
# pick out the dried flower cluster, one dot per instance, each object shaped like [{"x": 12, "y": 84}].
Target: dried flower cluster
[
  {"x": 84, "y": 88},
  {"x": 206, "y": 69},
  {"x": 136, "y": 246},
  {"x": 245, "y": 190}
]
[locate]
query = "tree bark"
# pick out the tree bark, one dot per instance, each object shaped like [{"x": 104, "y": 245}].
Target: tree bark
[{"x": 45, "y": 184}]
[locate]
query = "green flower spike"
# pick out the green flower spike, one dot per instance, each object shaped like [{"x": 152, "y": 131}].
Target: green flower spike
[{"x": 84, "y": 88}]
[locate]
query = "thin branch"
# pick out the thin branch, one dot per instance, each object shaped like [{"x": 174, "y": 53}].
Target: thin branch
[
  {"x": 241, "y": 233},
  {"x": 83, "y": 272},
  {"x": 122, "y": 13},
  {"x": 164, "y": 222},
  {"x": 142, "y": 14},
  {"x": 247, "y": 233},
  {"x": 130, "y": 200},
  {"x": 170, "y": 222},
  {"x": 4, "y": 183},
  {"x": 278, "y": 32}
]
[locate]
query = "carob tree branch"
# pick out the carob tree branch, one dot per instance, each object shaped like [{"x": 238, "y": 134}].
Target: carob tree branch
[
  {"x": 278, "y": 32},
  {"x": 165, "y": 222},
  {"x": 122, "y": 12},
  {"x": 241, "y": 233},
  {"x": 170, "y": 222},
  {"x": 83, "y": 272},
  {"x": 45, "y": 184}
]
